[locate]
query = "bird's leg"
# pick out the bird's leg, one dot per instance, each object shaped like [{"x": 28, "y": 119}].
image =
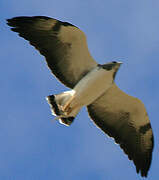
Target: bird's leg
[{"x": 66, "y": 107}]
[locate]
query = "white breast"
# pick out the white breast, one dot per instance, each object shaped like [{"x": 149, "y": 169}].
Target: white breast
[{"x": 93, "y": 85}]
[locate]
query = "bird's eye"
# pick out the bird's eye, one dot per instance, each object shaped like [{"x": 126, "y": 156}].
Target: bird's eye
[{"x": 114, "y": 62}]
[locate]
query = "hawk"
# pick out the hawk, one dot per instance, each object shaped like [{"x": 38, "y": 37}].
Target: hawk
[{"x": 119, "y": 115}]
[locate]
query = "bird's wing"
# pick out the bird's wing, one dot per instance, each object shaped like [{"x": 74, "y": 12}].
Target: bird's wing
[
  {"x": 63, "y": 45},
  {"x": 124, "y": 118}
]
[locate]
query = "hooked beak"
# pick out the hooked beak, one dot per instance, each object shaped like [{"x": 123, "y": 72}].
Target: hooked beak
[{"x": 120, "y": 63}]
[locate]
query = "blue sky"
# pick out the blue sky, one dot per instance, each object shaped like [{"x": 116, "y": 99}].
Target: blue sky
[{"x": 33, "y": 147}]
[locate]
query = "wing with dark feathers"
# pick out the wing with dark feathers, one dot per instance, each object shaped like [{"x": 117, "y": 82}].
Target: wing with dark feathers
[
  {"x": 63, "y": 45},
  {"x": 124, "y": 118}
]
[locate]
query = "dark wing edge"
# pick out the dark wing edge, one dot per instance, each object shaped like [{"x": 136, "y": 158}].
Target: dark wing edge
[
  {"x": 125, "y": 119},
  {"x": 63, "y": 45}
]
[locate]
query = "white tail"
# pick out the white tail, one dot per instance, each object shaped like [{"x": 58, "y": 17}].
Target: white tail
[{"x": 57, "y": 103}]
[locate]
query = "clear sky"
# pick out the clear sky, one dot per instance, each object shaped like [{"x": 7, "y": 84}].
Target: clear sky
[{"x": 33, "y": 147}]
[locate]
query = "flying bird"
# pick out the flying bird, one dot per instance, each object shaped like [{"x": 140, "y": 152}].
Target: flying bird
[{"x": 119, "y": 115}]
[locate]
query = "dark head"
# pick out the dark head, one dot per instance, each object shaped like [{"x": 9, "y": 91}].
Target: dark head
[{"x": 111, "y": 66}]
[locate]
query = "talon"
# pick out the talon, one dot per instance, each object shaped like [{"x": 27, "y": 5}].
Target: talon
[
  {"x": 66, "y": 107},
  {"x": 68, "y": 110}
]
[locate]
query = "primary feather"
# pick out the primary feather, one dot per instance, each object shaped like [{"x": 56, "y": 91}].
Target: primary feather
[{"x": 119, "y": 115}]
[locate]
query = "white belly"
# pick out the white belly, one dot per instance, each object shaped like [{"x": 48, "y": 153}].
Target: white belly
[{"x": 93, "y": 85}]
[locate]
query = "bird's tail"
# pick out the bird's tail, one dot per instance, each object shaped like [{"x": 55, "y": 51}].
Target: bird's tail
[{"x": 57, "y": 103}]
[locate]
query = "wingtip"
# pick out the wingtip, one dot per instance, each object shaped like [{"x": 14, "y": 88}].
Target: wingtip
[
  {"x": 11, "y": 22},
  {"x": 24, "y": 20},
  {"x": 8, "y": 21},
  {"x": 144, "y": 174}
]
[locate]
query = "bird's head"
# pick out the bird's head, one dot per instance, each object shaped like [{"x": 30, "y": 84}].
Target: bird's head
[{"x": 112, "y": 66}]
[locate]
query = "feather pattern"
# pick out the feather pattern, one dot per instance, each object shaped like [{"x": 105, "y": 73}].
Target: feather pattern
[
  {"x": 124, "y": 118},
  {"x": 63, "y": 45}
]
